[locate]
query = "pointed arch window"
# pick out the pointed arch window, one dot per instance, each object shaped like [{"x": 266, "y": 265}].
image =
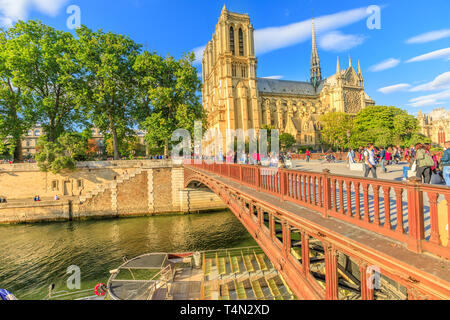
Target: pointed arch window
[
  {"x": 232, "y": 40},
  {"x": 241, "y": 42}
]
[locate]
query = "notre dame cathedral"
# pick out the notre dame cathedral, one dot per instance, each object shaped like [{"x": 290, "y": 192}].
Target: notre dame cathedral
[{"x": 235, "y": 98}]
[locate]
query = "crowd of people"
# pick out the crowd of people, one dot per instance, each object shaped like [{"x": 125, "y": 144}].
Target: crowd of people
[
  {"x": 422, "y": 162},
  {"x": 273, "y": 159}
]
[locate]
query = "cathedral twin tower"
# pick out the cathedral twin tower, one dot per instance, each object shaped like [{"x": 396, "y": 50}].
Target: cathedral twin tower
[{"x": 235, "y": 98}]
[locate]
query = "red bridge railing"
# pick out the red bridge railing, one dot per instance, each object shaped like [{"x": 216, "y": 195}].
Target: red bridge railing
[{"x": 410, "y": 212}]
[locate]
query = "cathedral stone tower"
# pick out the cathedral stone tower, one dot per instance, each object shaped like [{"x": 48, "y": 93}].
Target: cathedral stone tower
[{"x": 230, "y": 93}]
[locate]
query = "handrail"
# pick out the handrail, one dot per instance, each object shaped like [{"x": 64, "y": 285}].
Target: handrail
[
  {"x": 61, "y": 294},
  {"x": 402, "y": 211}
]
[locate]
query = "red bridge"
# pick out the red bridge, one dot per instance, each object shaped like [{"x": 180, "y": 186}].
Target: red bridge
[{"x": 339, "y": 237}]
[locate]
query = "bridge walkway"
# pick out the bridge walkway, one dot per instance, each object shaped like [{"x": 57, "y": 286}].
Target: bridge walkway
[{"x": 366, "y": 242}]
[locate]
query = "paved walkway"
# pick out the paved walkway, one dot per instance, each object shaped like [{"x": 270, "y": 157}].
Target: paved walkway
[{"x": 395, "y": 172}]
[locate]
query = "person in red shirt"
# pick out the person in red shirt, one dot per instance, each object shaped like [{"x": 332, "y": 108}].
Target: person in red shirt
[
  {"x": 308, "y": 155},
  {"x": 388, "y": 156}
]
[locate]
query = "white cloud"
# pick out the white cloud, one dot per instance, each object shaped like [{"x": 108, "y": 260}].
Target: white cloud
[
  {"x": 430, "y": 36},
  {"x": 198, "y": 54},
  {"x": 337, "y": 41},
  {"x": 14, "y": 10},
  {"x": 441, "y": 82},
  {"x": 430, "y": 100},
  {"x": 443, "y": 53},
  {"x": 384, "y": 65},
  {"x": 394, "y": 88},
  {"x": 274, "y": 77},
  {"x": 274, "y": 38}
]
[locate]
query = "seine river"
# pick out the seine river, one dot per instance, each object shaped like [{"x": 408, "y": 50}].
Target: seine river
[{"x": 34, "y": 256}]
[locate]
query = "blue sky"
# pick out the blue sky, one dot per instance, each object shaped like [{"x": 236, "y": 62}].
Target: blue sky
[{"x": 406, "y": 63}]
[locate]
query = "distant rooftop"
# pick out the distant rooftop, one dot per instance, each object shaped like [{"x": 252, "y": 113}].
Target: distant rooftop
[{"x": 291, "y": 87}]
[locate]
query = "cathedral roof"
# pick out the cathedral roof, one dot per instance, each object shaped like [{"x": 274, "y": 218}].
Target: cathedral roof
[{"x": 287, "y": 87}]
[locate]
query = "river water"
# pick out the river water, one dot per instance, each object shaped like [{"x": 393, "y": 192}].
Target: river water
[{"x": 34, "y": 256}]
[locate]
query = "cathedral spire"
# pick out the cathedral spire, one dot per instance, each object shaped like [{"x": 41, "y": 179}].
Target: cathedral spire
[
  {"x": 349, "y": 61},
  {"x": 316, "y": 71},
  {"x": 359, "y": 68},
  {"x": 224, "y": 10}
]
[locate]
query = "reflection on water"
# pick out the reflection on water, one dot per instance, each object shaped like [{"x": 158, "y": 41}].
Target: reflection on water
[{"x": 34, "y": 256}]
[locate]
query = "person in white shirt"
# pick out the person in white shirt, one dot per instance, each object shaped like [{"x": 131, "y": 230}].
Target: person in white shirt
[{"x": 370, "y": 164}]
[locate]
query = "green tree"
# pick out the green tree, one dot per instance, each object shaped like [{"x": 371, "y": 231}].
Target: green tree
[
  {"x": 287, "y": 141},
  {"x": 43, "y": 65},
  {"x": 108, "y": 60},
  {"x": 335, "y": 129},
  {"x": 416, "y": 138},
  {"x": 63, "y": 153},
  {"x": 16, "y": 112},
  {"x": 383, "y": 126},
  {"x": 167, "y": 97},
  {"x": 128, "y": 144}
]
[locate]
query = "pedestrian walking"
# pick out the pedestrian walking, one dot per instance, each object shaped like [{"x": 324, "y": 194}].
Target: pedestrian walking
[
  {"x": 383, "y": 159},
  {"x": 350, "y": 157},
  {"x": 424, "y": 163},
  {"x": 370, "y": 164},
  {"x": 388, "y": 156}
]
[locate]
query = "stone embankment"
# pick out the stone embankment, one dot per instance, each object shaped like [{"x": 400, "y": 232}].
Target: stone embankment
[{"x": 100, "y": 189}]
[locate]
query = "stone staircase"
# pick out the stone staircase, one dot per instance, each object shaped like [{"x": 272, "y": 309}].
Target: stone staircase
[{"x": 111, "y": 185}]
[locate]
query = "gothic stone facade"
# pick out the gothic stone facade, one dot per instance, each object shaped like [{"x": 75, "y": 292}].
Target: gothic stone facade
[
  {"x": 436, "y": 125},
  {"x": 235, "y": 98}
]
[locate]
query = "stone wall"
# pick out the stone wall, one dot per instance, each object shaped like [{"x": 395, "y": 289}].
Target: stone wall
[
  {"x": 36, "y": 212},
  {"x": 153, "y": 188},
  {"x": 87, "y": 177},
  {"x": 132, "y": 196}
]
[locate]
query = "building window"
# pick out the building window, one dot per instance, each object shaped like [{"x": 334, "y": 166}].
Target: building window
[
  {"x": 232, "y": 40},
  {"x": 233, "y": 70},
  {"x": 54, "y": 185},
  {"x": 80, "y": 184},
  {"x": 28, "y": 143},
  {"x": 37, "y": 133},
  {"x": 241, "y": 42},
  {"x": 244, "y": 72}
]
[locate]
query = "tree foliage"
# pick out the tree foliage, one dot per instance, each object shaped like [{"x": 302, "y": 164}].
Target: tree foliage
[
  {"x": 16, "y": 112},
  {"x": 128, "y": 145},
  {"x": 63, "y": 153},
  {"x": 44, "y": 66},
  {"x": 167, "y": 97},
  {"x": 63, "y": 83},
  {"x": 108, "y": 60},
  {"x": 287, "y": 141},
  {"x": 335, "y": 129},
  {"x": 383, "y": 126}
]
